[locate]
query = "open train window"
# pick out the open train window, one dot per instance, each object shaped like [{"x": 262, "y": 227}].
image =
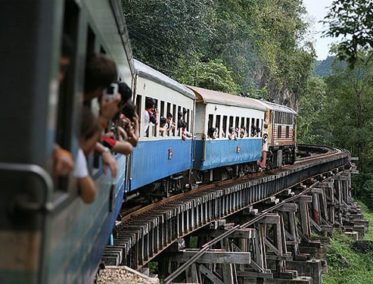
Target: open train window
[
  {"x": 224, "y": 130},
  {"x": 210, "y": 121},
  {"x": 237, "y": 125},
  {"x": 67, "y": 83},
  {"x": 248, "y": 127},
  {"x": 188, "y": 120},
  {"x": 279, "y": 130},
  {"x": 287, "y": 131},
  {"x": 179, "y": 117},
  {"x": 161, "y": 113},
  {"x": 140, "y": 111},
  {"x": 252, "y": 128},
  {"x": 217, "y": 125},
  {"x": 174, "y": 113}
]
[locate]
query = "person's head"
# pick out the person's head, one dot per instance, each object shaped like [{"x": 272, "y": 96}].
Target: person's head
[
  {"x": 231, "y": 130},
  {"x": 125, "y": 92},
  {"x": 169, "y": 116},
  {"x": 211, "y": 132},
  {"x": 149, "y": 103},
  {"x": 129, "y": 110},
  {"x": 162, "y": 121},
  {"x": 89, "y": 131},
  {"x": 67, "y": 51},
  {"x": 100, "y": 72}
]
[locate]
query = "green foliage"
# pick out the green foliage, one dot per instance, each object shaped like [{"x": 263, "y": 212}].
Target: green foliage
[
  {"x": 345, "y": 265},
  {"x": 353, "y": 21},
  {"x": 254, "y": 44},
  {"x": 213, "y": 75},
  {"x": 312, "y": 109}
]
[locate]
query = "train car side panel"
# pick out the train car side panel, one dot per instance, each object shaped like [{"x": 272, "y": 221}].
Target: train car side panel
[
  {"x": 219, "y": 153},
  {"x": 156, "y": 159}
]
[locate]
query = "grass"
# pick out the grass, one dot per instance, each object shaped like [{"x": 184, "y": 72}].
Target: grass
[{"x": 345, "y": 265}]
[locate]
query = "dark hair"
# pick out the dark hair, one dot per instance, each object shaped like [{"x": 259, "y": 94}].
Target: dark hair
[
  {"x": 169, "y": 115},
  {"x": 181, "y": 124},
  {"x": 210, "y": 131},
  {"x": 149, "y": 103},
  {"x": 125, "y": 92},
  {"x": 162, "y": 121},
  {"x": 100, "y": 72},
  {"x": 88, "y": 124},
  {"x": 67, "y": 46},
  {"x": 129, "y": 110}
]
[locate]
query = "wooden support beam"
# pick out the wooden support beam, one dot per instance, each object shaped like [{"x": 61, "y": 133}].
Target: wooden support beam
[
  {"x": 288, "y": 207},
  {"x": 209, "y": 274},
  {"x": 253, "y": 274},
  {"x": 212, "y": 257}
]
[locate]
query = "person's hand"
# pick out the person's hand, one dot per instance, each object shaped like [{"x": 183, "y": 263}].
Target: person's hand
[
  {"x": 63, "y": 162},
  {"x": 109, "y": 161}
]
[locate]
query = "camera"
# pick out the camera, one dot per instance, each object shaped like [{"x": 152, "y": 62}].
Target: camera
[{"x": 110, "y": 92}]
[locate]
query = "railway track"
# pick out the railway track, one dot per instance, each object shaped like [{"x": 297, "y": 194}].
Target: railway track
[{"x": 147, "y": 232}]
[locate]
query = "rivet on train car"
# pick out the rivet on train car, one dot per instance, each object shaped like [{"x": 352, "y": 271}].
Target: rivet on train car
[
  {"x": 238, "y": 149},
  {"x": 170, "y": 153}
]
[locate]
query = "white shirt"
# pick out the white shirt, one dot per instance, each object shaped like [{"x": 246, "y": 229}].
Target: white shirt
[
  {"x": 146, "y": 121},
  {"x": 80, "y": 169}
]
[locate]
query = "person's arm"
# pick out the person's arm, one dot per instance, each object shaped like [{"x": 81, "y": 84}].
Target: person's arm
[
  {"x": 63, "y": 162},
  {"x": 123, "y": 147},
  {"x": 87, "y": 189},
  {"x": 107, "y": 159}
]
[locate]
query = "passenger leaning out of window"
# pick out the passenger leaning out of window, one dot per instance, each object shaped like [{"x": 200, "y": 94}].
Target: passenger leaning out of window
[
  {"x": 232, "y": 134},
  {"x": 88, "y": 136},
  {"x": 100, "y": 73},
  {"x": 150, "y": 114}
]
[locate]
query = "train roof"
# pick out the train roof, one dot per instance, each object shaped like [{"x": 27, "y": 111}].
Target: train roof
[
  {"x": 277, "y": 107},
  {"x": 217, "y": 97},
  {"x": 148, "y": 72}
]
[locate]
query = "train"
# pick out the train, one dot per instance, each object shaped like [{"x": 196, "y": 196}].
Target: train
[{"x": 47, "y": 233}]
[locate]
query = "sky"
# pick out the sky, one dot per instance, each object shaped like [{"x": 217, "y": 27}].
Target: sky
[{"x": 317, "y": 10}]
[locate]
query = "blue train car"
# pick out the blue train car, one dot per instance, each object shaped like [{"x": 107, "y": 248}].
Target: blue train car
[
  {"x": 227, "y": 130},
  {"x": 163, "y": 150},
  {"x": 47, "y": 234}
]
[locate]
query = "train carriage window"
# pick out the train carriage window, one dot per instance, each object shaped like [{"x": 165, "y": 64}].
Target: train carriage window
[
  {"x": 258, "y": 128},
  {"x": 157, "y": 117},
  {"x": 217, "y": 126},
  {"x": 209, "y": 125},
  {"x": 140, "y": 111},
  {"x": 231, "y": 122},
  {"x": 174, "y": 113},
  {"x": 287, "y": 131},
  {"x": 248, "y": 127},
  {"x": 224, "y": 130},
  {"x": 237, "y": 124},
  {"x": 161, "y": 112},
  {"x": 279, "y": 130},
  {"x": 179, "y": 117},
  {"x": 252, "y": 128},
  {"x": 188, "y": 120},
  {"x": 68, "y": 69}
]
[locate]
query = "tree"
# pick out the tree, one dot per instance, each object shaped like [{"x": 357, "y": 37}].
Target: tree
[
  {"x": 353, "y": 20},
  {"x": 213, "y": 75}
]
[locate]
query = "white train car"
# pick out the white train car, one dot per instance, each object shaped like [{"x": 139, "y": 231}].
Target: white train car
[
  {"x": 161, "y": 154},
  {"x": 225, "y": 133}
]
